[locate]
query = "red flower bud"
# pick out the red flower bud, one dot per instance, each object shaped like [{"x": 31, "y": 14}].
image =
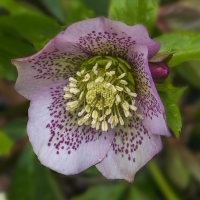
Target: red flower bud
[{"x": 159, "y": 71}]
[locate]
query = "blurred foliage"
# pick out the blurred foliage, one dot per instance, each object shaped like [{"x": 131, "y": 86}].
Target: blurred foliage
[
  {"x": 190, "y": 71},
  {"x": 16, "y": 129},
  {"x": 27, "y": 25},
  {"x": 109, "y": 191},
  {"x": 129, "y": 12},
  {"x": 6, "y": 144},
  {"x": 100, "y": 8},
  {"x": 33, "y": 181},
  {"x": 77, "y": 11}
]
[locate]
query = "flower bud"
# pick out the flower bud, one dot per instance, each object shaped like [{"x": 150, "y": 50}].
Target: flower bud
[{"x": 159, "y": 71}]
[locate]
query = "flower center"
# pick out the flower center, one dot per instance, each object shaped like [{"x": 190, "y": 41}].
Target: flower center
[
  {"x": 99, "y": 96},
  {"x": 103, "y": 92}
]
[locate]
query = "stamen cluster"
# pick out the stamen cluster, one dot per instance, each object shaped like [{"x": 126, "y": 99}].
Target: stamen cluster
[{"x": 102, "y": 97}]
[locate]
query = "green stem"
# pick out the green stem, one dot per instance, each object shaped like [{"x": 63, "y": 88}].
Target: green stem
[{"x": 162, "y": 183}]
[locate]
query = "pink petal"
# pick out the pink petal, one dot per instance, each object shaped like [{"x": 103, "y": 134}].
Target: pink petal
[
  {"x": 104, "y": 36},
  {"x": 131, "y": 149},
  {"x": 58, "y": 141},
  {"x": 46, "y": 66},
  {"x": 148, "y": 100}
]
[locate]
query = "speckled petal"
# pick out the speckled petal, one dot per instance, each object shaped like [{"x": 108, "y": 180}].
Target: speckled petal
[
  {"x": 131, "y": 149},
  {"x": 148, "y": 100},
  {"x": 105, "y": 36},
  {"x": 58, "y": 141},
  {"x": 50, "y": 64}
]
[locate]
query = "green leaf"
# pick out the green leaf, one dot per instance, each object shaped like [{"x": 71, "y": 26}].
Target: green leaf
[
  {"x": 103, "y": 192},
  {"x": 7, "y": 70},
  {"x": 18, "y": 34},
  {"x": 99, "y": 7},
  {"x": 32, "y": 181},
  {"x": 13, "y": 7},
  {"x": 166, "y": 86},
  {"x": 55, "y": 7},
  {"x": 134, "y": 12},
  {"x": 15, "y": 45},
  {"x": 5, "y": 144},
  {"x": 11, "y": 47},
  {"x": 184, "y": 45},
  {"x": 173, "y": 115},
  {"x": 190, "y": 71},
  {"x": 35, "y": 28},
  {"x": 77, "y": 12},
  {"x": 161, "y": 87},
  {"x": 16, "y": 129}
]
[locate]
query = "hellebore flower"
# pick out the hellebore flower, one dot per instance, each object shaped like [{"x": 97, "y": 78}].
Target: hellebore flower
[
  {"x": 93, "y": 100},
  {"x": 159, "y": 71}
]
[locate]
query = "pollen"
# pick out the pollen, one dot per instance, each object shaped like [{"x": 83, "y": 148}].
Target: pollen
[
  {"x": 102, "y": 98},
  {"x": 99, "y": 96}
]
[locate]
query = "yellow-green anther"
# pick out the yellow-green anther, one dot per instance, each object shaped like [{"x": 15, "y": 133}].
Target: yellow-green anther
[
  {"x": 86, "y": 78},
  {"x": 116, "y": 119},
  {"x": 72, "y": 104},
  {"x": 67, "y": 96},
  {"x": 88, "y": 122},
  {"x": 66, "y": 89},
  {"x": 121, "y": 121},
  {"x": 80, "y": 122},
  {"x": 132, "y": 107},
  {"x": 108, "y": 64},
  {"x": 126, "y": 113},
  {"x": 113, "y": 88},
  {"x": 108, "y": 111},
  {"x": 123, "y": 82},
  {"x": 104, "y": 126},
  {"x": 108, "y": 74},
  {"x": 74, "y": 90},
  {"x": 99, "y": 80},
  {"x": 125, "y": 106},
  {"x": 78, "y": 74},
  {"x": 102, "y": 118},
  {"x": 72, "y": 85},
  {"x": 111, "y": 119},
  {"x": 118, "y": 99},
  {"x": 73, "y": 80},
  {"x": 97, "y": 125},
  {"x": 121, "y": 76},
  {"x": 107, "y": 85},
  {"x": 119, "y": 88},
  {"x": 86, "y": 117},
  {"x": 94, "y": 69},
  {"x": 94, "y": 114},
  {"x": 87, "y": 108},
  {"x": 133, "y": 94},
  {"x": 112, "y": 72},
  {"x": 128, "y": 90},
  {"x": 81, "y": 112}
]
